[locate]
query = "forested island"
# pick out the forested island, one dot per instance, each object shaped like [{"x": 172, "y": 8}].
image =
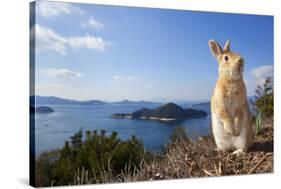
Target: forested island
[{"x": 166, "y": 112}]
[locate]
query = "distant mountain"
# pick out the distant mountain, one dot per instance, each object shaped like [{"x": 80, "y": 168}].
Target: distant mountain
[
  {"x": 92, "y": 102},
  {"x": 182, "y": 102},
  {"x": 53, "y": 100},
  {"x": 201, "y": 104},
  {"x": 42, "y": 100},
  {"x": 166, "y": 112},
  {"x": 129, "y": 102},
  {"x": 205, "y": 106}
]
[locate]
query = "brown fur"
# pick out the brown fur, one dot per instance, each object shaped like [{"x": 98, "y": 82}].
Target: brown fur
[
  {"x": 229, "y": 100},
  {"x": 228, "y": 92}
]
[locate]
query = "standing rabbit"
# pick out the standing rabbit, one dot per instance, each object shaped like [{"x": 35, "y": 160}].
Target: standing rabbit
[{"x": 231, "y": 124}]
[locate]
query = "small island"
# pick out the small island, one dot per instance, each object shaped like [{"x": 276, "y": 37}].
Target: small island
[
  {"x": 166, "y": 112},
  {"x": 44, "y": 109}
]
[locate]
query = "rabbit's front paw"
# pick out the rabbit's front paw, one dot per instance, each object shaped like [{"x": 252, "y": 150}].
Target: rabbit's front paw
[
  {"x": 228, "y": 129},
  {"x": 236, "y": 131}
]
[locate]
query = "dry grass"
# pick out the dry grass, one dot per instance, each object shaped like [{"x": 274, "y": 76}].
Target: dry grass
[{"x": 189, "y": 159}]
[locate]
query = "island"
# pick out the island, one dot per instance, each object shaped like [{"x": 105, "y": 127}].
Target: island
[
  {"x": 44, "y": 109},
  {"x": 92, "y": 102},
  {"x": 166, "y": 112},
  {"x": 205, "y": 106}
]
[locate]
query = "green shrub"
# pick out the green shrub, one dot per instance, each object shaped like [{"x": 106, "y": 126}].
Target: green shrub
[
  {"x": 95, "y": 155},
  {"x": 263, "y": 103},
  {"x": 263, "y": 100}
]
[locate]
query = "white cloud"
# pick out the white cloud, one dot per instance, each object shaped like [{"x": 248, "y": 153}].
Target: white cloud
[
  {"x": 262, "y": 71},
  {"x": 124, "y": 78},
  {"x": 52, "y": 9},
  {"x": 49, "y": 40},
  {"x": 92, "y": 23},
  {"x": 257, "y": 77},
  {"x": 62, "y": 73},
  {"x": 88, "y": 41}
]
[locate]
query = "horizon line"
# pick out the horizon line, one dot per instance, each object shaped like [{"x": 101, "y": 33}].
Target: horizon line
[{"x": 126, "y": 99}]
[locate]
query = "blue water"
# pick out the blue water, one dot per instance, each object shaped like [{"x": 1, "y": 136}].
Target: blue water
[{"x": 52, "y": 130}]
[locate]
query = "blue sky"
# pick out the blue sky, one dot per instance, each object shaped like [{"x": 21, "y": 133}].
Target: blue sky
[{"x": 86, "y": 51}]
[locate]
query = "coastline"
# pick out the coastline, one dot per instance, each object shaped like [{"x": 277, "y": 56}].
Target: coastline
[
  {"x": 144, "y": 117},
  {"x": 159, "y": 119}
]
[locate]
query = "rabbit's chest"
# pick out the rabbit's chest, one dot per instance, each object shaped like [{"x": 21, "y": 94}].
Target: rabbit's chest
[
  {"x": 231, "y": 92},
  {"x": 231, "y": 98}
]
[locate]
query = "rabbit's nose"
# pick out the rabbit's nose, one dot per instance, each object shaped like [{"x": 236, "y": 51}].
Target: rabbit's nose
[{"x": 240, "y": 61}]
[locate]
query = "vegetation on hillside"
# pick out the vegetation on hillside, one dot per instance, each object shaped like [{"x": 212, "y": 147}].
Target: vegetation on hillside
[{"x": 97, "y": 154}]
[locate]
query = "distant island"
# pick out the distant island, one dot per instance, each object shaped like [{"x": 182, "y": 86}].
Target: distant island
[
  {"x": 52, "y": 100},
  {"x": 130, "y": 102},
  {"x": 92, "y": 102},
  {"x": 201, "y": 104},
  {"x": 205, "y": 106},
  {"x": 166, "y": 112},
  {"x": 43, "y": 109}
]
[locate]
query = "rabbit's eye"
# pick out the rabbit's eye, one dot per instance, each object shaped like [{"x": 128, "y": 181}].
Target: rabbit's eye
[{"x": 226, "y": 58}]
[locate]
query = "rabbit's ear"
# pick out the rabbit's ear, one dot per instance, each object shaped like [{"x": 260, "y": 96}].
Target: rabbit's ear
[
  {"x": 226, "y": 46},
  {"x": 215, "y": 48}
]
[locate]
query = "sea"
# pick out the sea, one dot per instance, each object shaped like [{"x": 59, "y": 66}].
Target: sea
[{"x": 53, "y": 129}]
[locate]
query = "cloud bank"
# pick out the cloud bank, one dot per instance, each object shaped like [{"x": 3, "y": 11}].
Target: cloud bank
[
  {"x": 49, "y": 40},
  {"x": 257, "y": 77},
  {"x": 53, "y": 9},
  {"x": 62, "y": 73}
]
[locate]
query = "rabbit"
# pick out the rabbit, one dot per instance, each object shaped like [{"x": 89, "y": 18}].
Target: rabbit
[{"x": 231, "y": 124}]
